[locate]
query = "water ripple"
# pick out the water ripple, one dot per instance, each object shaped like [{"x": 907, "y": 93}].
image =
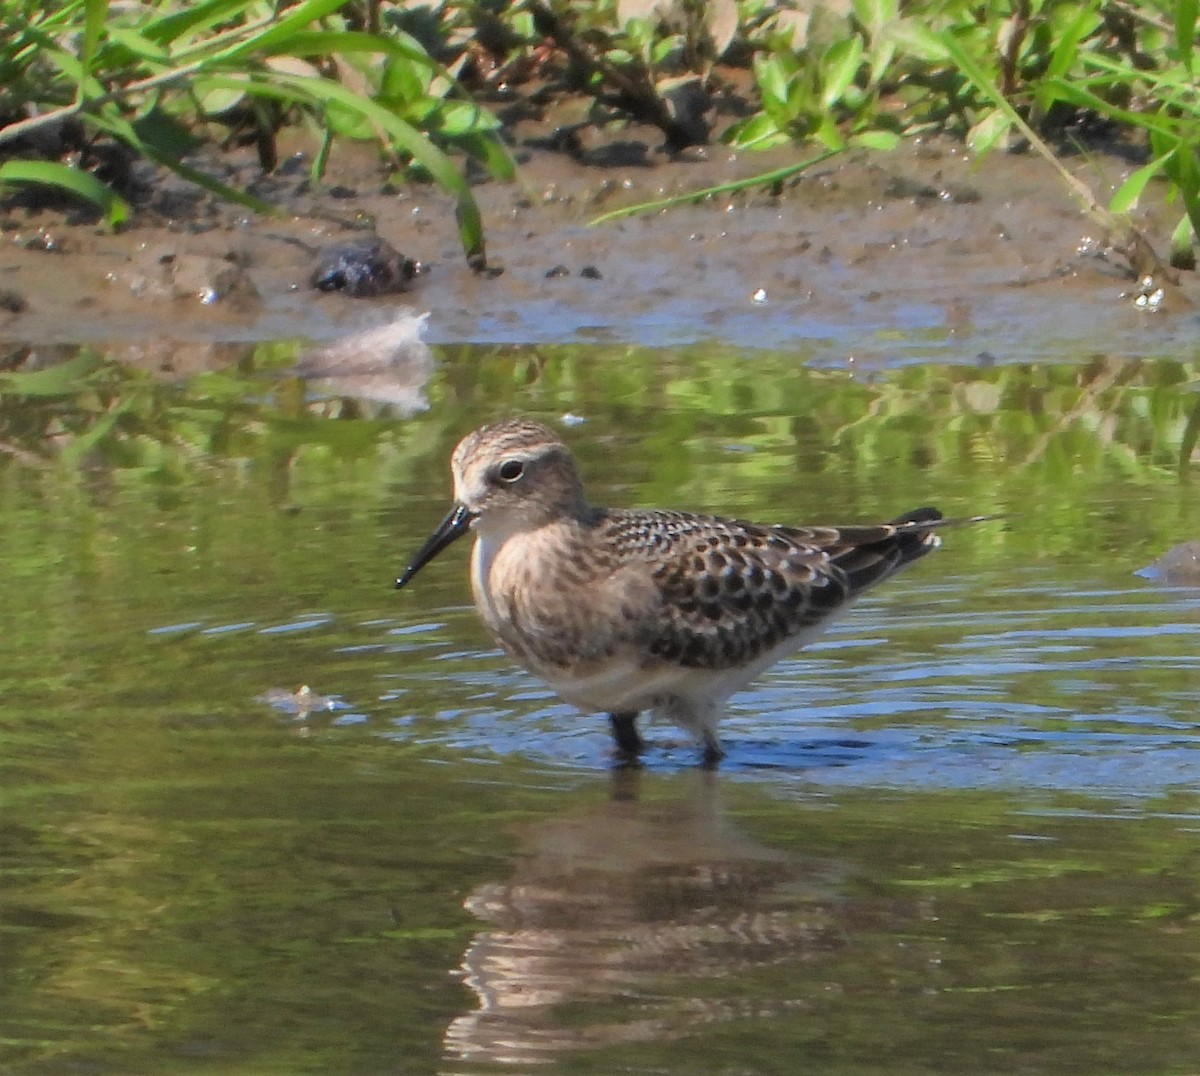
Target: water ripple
[{"x": 957, "y": 685}]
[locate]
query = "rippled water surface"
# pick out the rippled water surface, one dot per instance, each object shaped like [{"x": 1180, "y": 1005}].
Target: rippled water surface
[{"x": 959, "y": 834}]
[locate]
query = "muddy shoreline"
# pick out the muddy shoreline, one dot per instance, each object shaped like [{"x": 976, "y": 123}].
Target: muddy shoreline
[{"x": 921, "y": 255}]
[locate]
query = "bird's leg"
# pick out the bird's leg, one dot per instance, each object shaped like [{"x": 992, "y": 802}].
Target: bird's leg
[
  {"x": 712, "y": 752},
  {"x": 625, "y": 733}
]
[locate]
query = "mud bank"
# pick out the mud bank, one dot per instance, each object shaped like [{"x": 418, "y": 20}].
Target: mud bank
[{"x": 923, "y": 254}]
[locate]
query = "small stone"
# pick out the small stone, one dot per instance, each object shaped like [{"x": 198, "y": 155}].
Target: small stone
[{"x": 363, "y": 268}]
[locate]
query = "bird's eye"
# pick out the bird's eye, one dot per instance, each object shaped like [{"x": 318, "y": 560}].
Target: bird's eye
[{"x": 511, "y": 470}]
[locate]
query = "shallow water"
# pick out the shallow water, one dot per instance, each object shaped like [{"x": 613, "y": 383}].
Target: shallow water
[{"x": 959, "y": 834}]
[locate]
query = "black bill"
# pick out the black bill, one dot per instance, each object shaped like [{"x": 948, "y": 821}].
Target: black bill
[{"x": 455, "y": 525}]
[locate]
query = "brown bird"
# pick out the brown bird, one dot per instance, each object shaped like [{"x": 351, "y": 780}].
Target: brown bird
[{"x": 625, "y": 611}]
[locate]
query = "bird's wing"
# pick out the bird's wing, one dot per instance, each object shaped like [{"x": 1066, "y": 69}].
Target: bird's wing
[{"x": 727, "y": 591}]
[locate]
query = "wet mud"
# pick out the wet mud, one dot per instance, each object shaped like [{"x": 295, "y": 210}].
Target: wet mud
[{"x": 922, "y": 254}]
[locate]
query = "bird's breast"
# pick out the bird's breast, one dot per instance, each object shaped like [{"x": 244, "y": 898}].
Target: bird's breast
[{"x": 553, "y": 606}]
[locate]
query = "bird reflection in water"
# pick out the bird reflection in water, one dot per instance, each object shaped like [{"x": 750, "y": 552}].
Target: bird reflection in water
[{"x": 621, "y": 923}]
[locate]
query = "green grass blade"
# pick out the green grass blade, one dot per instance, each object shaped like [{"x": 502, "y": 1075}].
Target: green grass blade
[
  {"x": 491, "y": 151},
  {"x": 1075, "y": 93},
  {"x": 880, "y": 141},
  {"x": 495, "y": 157},
  {"x": 1184, "y": 170},
  {"x": 193, "y": 18},
  {"x": 63, "y": 379},
  {"x": 839, "y": 68},
  {"x": 213, "y": 186},
  {"x": 320, "y": 159},
  {"x": 985, "y": 86},
  {"x": 121, "y": 129},
  {"x": 1169, "y": 85},
  {"x": 470, "y": 232},
  {"x": 243, "y": 85},
  {"x": 95, "y": 14},
  {"x": 1067, "y": 48},
  {"x": 79, "y": 446},
  {"x": 978, "y": 78},
  {"x": 778, "y": 175},
  {"x": 403, "y": 134},
  {"x": 326, "y": 42},
  {"x": 1191, "y": 435},
  {"x": 1185, "y": 31},
  {"x": 278, "y": 33},
  {"x": 408, "y": 139},
  {"x": 1183, "y": 236},
  {"x": 1131, "y": 190},
  {"x": 137, "y": 45},
  {"x": 81, "y": 184}
]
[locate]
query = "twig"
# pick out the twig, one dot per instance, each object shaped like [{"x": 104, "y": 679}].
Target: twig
[{"x": 1017, "y": 28}]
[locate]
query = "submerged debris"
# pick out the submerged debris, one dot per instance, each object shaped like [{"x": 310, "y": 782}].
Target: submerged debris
[{"x": 301, "y": 702}]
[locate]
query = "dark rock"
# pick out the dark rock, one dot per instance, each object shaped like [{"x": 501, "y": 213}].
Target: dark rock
[{"x": 362, "y": 268}]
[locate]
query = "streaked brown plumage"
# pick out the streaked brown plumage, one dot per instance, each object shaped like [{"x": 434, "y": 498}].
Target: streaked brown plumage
[{"x": 624, "y": 611}]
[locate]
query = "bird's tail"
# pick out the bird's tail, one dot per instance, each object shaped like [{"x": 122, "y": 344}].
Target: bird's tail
[
  {"x": 871, "y": 554},
  {"x": 919, "y": 515}
]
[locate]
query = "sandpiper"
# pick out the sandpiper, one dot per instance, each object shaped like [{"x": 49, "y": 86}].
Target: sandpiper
[{"x": 626, "y": 611}]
